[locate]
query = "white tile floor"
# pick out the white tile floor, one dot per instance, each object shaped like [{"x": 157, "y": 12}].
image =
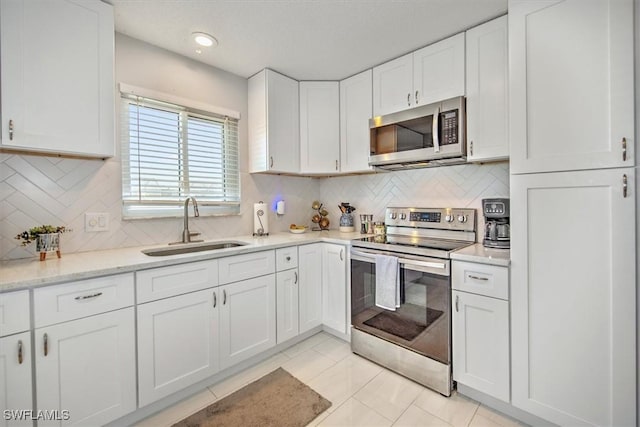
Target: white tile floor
[{"x": 362, "y": 393}]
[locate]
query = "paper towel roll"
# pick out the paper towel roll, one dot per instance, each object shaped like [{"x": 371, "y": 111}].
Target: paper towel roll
[{"x": 260, "y": 219}]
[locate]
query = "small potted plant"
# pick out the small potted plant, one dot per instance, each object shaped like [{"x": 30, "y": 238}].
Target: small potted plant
[{"x": 47, "y": 238}]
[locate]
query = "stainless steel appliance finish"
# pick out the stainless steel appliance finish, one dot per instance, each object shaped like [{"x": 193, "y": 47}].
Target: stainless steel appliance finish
[
  {"x": 415, "y": 339},
  {"x": 497, "y": 230},
  {"x": 430, "y": 135}
]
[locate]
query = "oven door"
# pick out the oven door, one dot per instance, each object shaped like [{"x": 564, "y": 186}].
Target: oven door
[{"x": 422, "y": 323}]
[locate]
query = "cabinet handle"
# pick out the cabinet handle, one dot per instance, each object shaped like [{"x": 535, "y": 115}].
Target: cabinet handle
[
  {"x": 224, "y": 296},
  {"x": 457, "y": 299},
  {"x": 10, "y": 130},
  {"x": 478, "y": 277},
  {"x": 417, "y": 98},
  {"x": 336, "y": 165},
  {"x": 624, "y": 185},
  {"x": 295, "y": 273},
  {"x": 215, "y": 300},
  {"x": 624, "y": 149},
  {"x": 46, "y": 344},
  {"x": 341, "y": 254},
  {"x": 471, "y": 148},
  {"x": 83, "y": 297},
  {"x": 271, "y": 161},
  {"x": 20, "y": 352},
  {"x": 434, "y": 130},
  {"x": 409, "y": 99}
]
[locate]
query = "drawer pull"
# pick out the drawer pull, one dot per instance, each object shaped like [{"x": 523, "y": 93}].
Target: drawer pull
[
  {"x": 20, "y": 352},
  {"x": 83, "y": 297},
  {"x": 46, "y": 344},
  {"x": 478, "y": 277}
]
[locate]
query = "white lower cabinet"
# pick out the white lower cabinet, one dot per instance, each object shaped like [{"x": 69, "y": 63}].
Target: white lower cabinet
[
  {"x": 310, "y": 288},
  {"x": 15, "y": 377},
  {"x": 481, "y": 343},
  {"x": 286, "y": 305},
  {"x": 177, "y": 343},
  {"x": 334, "y": 287},
  {"x": 247, "y": 319},
  {"x": 87, "y": 367}
]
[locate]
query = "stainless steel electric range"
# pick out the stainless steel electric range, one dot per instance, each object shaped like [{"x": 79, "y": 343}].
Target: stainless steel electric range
[{"x": 412, "y": 336}]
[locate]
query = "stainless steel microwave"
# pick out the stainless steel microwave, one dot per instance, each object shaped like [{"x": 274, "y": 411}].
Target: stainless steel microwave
[{"x": 429, "y": 135}]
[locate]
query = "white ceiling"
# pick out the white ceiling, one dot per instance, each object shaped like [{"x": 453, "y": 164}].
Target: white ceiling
[{"x": 304, "y": 39}]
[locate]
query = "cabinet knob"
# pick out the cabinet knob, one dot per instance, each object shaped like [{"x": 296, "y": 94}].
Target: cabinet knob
[{"x": 288, "y": 258}]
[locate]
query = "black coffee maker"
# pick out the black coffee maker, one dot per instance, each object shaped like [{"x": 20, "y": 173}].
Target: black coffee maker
[{"x": 497, "y": 232}]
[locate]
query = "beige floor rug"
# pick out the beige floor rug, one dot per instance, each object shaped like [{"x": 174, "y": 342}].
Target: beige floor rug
[{"x": 277, "y": 399}]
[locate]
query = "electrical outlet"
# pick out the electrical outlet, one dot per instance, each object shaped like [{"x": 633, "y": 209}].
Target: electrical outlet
[{"x": 96, "y": 221}]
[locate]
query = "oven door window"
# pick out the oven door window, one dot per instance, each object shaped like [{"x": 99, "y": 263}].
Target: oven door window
[{"x": 421, "y": 323}]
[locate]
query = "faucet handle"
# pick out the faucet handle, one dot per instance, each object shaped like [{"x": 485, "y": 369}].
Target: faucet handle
[{"x": 193, "y": 233}]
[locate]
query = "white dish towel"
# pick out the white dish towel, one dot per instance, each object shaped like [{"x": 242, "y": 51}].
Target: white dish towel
[{"x": 387, "y": 282}]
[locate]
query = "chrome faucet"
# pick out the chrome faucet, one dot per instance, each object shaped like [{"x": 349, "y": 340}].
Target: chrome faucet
[{"x": 186, "y": 234}]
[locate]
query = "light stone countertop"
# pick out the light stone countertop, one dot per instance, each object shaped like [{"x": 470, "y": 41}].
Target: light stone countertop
[
  {"x": 30, "y": 272},
  {"x": 480, "y": 254}
]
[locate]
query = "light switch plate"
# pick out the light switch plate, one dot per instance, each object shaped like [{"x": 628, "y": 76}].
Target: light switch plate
[{"x": 96, "y": 221}]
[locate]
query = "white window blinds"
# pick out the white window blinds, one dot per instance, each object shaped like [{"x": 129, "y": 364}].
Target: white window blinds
[{"x": 170, "y": 152}]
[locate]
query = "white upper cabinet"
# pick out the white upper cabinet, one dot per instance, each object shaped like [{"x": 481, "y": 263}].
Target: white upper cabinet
[
  {"x": 319, "y": 127},
  {"x": 392, "y": 85},
  {"x": 571, "y": 85},
  {"x": 487, "y": 91},
  {"x": 355, "y": 112},
  {"x": 433, "y": 73},
  {"x": 438, "y": 71},
  {"x": 274, "y": 139},
  {"x": 57, "y": 77}
]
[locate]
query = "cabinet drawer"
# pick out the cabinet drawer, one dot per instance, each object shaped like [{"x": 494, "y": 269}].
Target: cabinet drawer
[
  {"x": 241, "y": 267},
  {"x": 166, "y": 282},
  {"x": 481, "y": 279},
  {"x": 286, "y": 258},
  {"x": 55, "y": 304},
  {"x": 14, "y": 312}
]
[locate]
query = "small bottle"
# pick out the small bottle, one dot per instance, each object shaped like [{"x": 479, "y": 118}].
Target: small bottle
[{"x": 379, "y": 229}]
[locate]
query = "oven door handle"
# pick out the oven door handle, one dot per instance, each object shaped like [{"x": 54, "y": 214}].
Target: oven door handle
[
  {"x": 428, "y": 264},
  {"x": 363, "y": 256}
]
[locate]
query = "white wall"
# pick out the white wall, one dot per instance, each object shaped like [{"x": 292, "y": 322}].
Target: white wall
[{"x": 37, "y": 190}]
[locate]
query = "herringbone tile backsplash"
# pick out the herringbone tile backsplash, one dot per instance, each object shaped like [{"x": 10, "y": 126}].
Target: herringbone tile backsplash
[{"x": 38, "y": 190}]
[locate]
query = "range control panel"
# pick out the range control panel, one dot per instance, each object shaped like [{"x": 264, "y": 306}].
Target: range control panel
[{"x": 439, "y": 218}]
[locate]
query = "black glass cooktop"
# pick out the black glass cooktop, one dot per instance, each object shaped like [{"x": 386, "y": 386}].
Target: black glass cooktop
[{"x": 410, "y": 242}]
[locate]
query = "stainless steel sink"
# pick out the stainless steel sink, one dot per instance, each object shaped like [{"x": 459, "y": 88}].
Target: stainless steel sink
[{"x": 194, "y": 247}]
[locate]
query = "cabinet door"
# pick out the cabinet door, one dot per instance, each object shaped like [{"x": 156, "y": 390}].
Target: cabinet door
[
  {"x": 177, "y": 343},
  {"x": 438, "y": 71},
  {"x": 319, "y": 127},
  {"x": 15, "y": 377},
  {"x": 247, "y": 319},
  {"x": 310, "y": 287},
  {"x": 87, "y": 367},
  {"x": 355, "y": 111},
  {"x": 571, "y": 85},
  {"x": 334, "y": 287},
  {"x": 58, "y": 96},
  {"x": 286, "y": 305},
  {"x": 573, "y": 293},
  {"x": 487, "y": 91},
  {"x": 274, "y": 137},
  {"x": 481, "y": 343},
  {"x": 393, "y": 86}
]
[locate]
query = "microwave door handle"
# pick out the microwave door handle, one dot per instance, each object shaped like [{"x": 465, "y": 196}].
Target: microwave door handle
[{"x": 434, "y": 131}]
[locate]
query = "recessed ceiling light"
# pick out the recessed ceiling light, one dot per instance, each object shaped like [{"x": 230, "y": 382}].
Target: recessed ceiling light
[{"x": 204, "y": 39}]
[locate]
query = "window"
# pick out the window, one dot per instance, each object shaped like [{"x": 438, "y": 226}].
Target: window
[{"x": 171, "y": 152}]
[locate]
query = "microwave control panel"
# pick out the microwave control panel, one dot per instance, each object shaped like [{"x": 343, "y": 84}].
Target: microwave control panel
[{"x": 449, "y": 127}]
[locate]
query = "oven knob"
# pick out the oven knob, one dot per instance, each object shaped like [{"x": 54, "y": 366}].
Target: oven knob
[
  {"x": 448, "y": 218},
  {"x": 393, "y": 215},
  {"x": 403, "y": 216},
  {"x": 462, "y": 218}
]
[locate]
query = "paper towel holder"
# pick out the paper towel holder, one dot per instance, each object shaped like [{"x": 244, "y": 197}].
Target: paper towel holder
[{"x": 260, "y": 231}]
